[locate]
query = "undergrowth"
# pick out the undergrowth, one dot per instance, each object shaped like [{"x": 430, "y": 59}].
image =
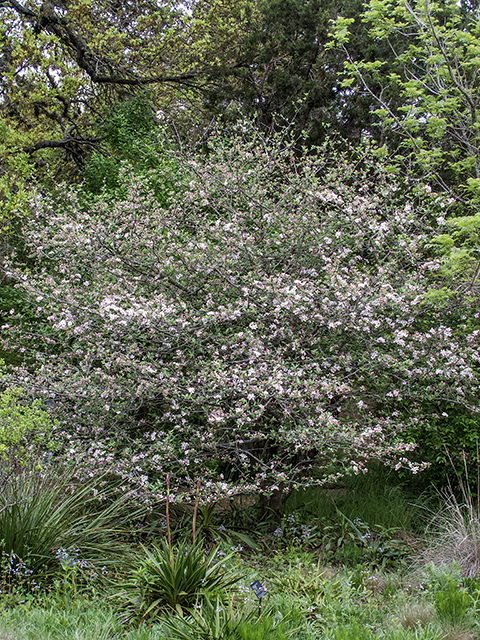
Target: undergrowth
[{"x": 335, "y": 565}]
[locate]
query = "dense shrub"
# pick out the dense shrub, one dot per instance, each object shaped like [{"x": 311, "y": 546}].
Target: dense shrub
[{"x": 270, "y": 317}]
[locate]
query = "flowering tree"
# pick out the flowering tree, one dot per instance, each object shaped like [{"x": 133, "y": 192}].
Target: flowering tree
[{"x": 272, "y": 317}]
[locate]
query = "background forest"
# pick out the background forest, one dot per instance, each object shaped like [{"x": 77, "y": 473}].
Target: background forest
[{"x": 239, "y": 304}]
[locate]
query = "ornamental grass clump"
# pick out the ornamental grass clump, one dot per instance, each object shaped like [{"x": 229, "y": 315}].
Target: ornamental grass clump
[
  {"x": 41, "y": 513},
  {"x": 454, "y": 534}
]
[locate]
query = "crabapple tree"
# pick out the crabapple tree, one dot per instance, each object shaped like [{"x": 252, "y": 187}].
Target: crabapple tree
[{"x": 269, "y": 318}]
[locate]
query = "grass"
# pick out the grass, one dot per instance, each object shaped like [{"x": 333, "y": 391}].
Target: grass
[
  {"x": 417, "y": 615},
  {"x": 454, "y": 533},
  {"x": 299, "y": 606},
  {"x": 79, "y": 621},
  {"x": 375, "y": 497},
  {"x": 311, "y": 594}
]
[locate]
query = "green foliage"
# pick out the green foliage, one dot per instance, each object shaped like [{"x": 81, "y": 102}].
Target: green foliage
[
  {"x": 451, "y": 430},
  {"x": 378, "y": 498},
  {"x": 305, "y": 601},
  {"x": 287, "y": 73},
  {"x": 225, "y": 619},
  {"x": 215, "y": 619},
  {"x": 452, "y": 604},
  {"x": 451, "y": 601},
  {"x": 342, "y": 540},
  {"x": 292, "y": 531},
  {"x": 130, "y": 132},
  {"x": 24, "y": 428},
  {"x": 352, "y": 631},
  {"x": 14, "y": 193},
  {"x": 129, "y": 123},
  {"x": 459, "y": 247},
  {"x": 215, "y": 523},
  {"x": 272, "y": 626},
  {"x": 80, "y": 619},
  {"x": 363, "y": 520},
  {"x": 434, "y": 76},
  {"x": 43, "y": 515},
  {"x": 441, "y": 576},
  {"x": 353, "y": 541},
  {"x": 302, "y": 580},
  {"x": 242, "y": 515},
  {"x": 56, "y": 91},
  {"x": 101, "y": 172},
  {"x": 133, "y": 143},
  {"x": 161, "y": 578}
]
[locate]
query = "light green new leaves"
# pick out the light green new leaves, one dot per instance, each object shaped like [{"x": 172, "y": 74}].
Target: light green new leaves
[
  {"x": 436, "y": 76},
  {"x": 461, "y": 254},
  {"x": 23, "y": 428},
  {"x": 340, "y": 31},
  {"x": 427, "y": 107}
]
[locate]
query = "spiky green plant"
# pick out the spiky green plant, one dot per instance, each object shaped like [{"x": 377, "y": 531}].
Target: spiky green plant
[
  {"x": 452, "y": 604},
  {"x": 163, "y": 577},
  {"x": 352, "y": 631},
  {"x": 42, "y": 514}
]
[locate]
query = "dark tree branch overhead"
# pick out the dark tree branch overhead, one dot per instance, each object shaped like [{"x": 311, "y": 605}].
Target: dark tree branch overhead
[
  {"x": 59, "y": 144},
  {"x": 73, "y": 60},
  {"x": 46, "y": 19}
]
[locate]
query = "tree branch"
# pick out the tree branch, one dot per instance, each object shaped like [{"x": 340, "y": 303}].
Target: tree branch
[
  {"x": 48, "y": 20},
  {"x": 58, "y": 144}
]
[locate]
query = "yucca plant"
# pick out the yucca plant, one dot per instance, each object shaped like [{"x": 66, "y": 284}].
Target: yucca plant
[{"x": 166, "y": 577}]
